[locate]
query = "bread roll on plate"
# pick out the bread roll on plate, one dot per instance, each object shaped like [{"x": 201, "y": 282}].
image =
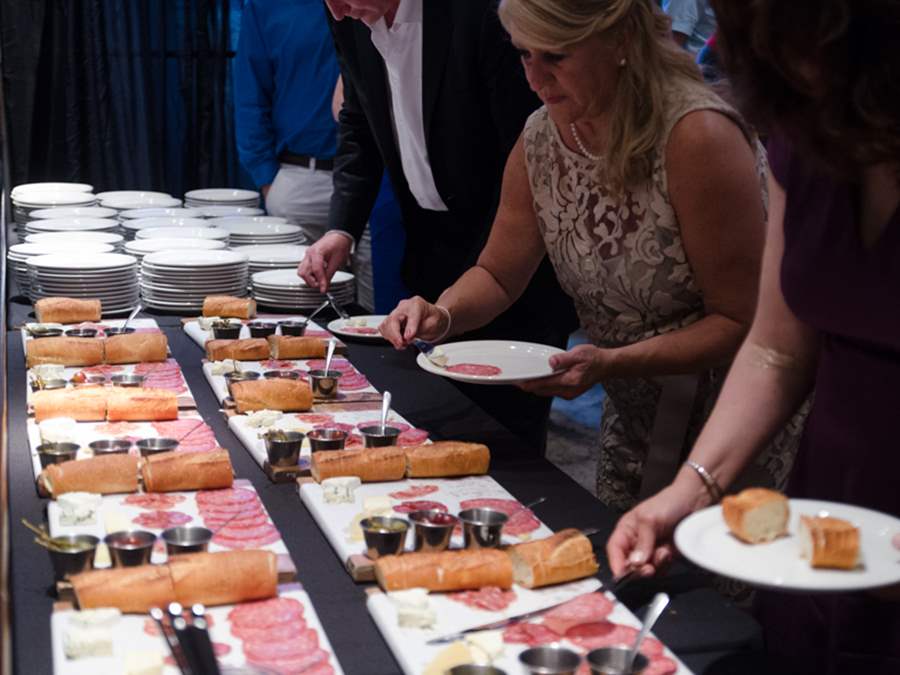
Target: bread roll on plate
[
  {"x": 297, "y": 347},
  {"x": 128, "y": 404},
  {"x": 67, "y": 310},
  {"x": 108, "y": 474},
  {"x": 83, "y": 404},
  {"x": 756, "y": 515},
  {"x": 136, "y": 348},
  {"x": 370, "y": 465},
  {"x": 446, "y": 459},
  {"x": 271, "y": 394},
  {"x": 170, "y": 471},
  {"x": 250, "y": 349},
  {"x": 64, "y": 351},
  {"x": 445, "y": 571},
  {"x": 564, "y": 556},
  {"x": 829, "y": 542},
  {"x": 228, "y": 306}
]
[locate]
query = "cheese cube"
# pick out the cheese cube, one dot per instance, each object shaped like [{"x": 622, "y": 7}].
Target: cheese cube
[
  {"x": 78, "y": 508},
  {"x": 378, "y": 505},
  {"x": 80, "y": 642},
  {"x": 143, "y": 663},
  {"x": 413, "y": 608},
  {"x": 340, "y": 490}
]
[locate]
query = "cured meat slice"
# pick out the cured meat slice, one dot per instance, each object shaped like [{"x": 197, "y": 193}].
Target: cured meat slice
[
  {"x": 587, "y": 608},
  {"x": 532, "y": 634},
  {"x": 214, "y": 498},
  {"x": 186, "y": 431},
  {"x": 607, "y": 634},
  {"x": 300, "y": 644},
  {"x": 419, "y": 505},
  {"x": 360, "y": 330},
  {"x": 168, "y": 366},
  {"x": 342, "y": 365},
  {"x": 216, "y": 522},
  {"x": 315, "y": 332},
  {"x": 412, "y": 437},
  {"x": 353, "y": 382},
  {"x": 101, "y": 369},
  {"x": 161, "y": 520},
  {"x": 220, "y": 649},
  {"x": 660, "y": 665},
  {"x": 313, "y": 662},
  {"x": 281, "y": 631},
  {"x": 376, "y": 423},
  {"x": 264, "y": 614},
  {"x": 490, "y": 598},
  {"x": 277, "y": 364},
  {"x": 247, "y": 538},
  {"x": 116, "y": 428},
  {"x": 320, "y": 669},
  {"x": 228, "y": 511},
  {"x": 148, "y": 329},
  {"x": 479, "y": 369},
  {"x": 343, "y": 426},
  {"x": 354, "y": 441},
  {"x": 414, "y": 491},
  {"x": 153, "y": 501},
  {"x": 521, "y": 520},
  {"x": 315, "y": 418}
]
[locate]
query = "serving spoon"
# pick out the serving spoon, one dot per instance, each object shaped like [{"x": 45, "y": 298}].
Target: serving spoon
[
  {"x": 385, "y": 410},
  {"x": 332, "y": 344},
  {"x": 131, "y": 316},
  {"x": 654, "y": 611}
]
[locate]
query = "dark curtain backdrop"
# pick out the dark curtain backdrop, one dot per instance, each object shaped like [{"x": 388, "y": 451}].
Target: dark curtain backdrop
[{"x": 122, "y": 94}]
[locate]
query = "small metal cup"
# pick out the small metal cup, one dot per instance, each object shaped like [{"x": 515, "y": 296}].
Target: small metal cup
[
  {"x": 129, "y": 548},
  {"x": 281, "y": 374},
  {"x": 482, "y": 528},
  {"x": 110, "y": 332},
  {"x": 284, "y": 452},
  {"x": 327, "y": 439},
  {"x": 47, "y": 385},
  {"x": 82, "y": 332},
  {"x": 324, "y": 383},
  {"x": 384, "y": 536},
  {"x": 293, "y": 327},
  {"x": 613, "y": 661},
  {"x": 57, "y": 453},
  {"x": 229, "y": 332},
  {"x": 550, "y": 661},
  {"x": 45, "y": 332},
  {"x": 239, "y": 376},
  {"x": 91, "y": 381},
  {"x": 186, "y": 540},
  {"x": 115, "y": 446},
  {"x": 152, "y": 446},
  {"x": 127, "y": 380},
  {"x": 432, "y": 530},
  {"x": 473, "y": 669},
  {"x": 378, "y": 437},
  {"x": 78, "y": 558},
  {"x": 261, "y": 329}
]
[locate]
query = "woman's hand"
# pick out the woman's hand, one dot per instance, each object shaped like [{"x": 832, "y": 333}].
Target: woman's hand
[
  {"x": 414, "y": 318},
  {"x": 579, "y": 370}
]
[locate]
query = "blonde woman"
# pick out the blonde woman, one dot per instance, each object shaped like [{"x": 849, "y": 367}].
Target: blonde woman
[{"x": 647, "y": 193}]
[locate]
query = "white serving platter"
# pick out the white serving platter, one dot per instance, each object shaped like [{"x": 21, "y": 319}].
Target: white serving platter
[
  {"x": 140, "y": 324},
  {"x": 517, "y": 361}
]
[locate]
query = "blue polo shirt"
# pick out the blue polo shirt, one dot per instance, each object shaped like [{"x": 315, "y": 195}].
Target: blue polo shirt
[{"x": 285, "y": 71}]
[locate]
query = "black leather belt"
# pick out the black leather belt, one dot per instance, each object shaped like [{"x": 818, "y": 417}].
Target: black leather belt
[{"x": 306, "y": 161}]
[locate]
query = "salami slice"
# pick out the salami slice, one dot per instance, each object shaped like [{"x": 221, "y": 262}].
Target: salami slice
[
  {"x": 246, "y": 538},
  {"x": 412, "y": 437},
  {"x": 153, "y": 501},
  {"x": 353, "y": 382},
  {"x": 116, "y": 428},
  {"x": 607, "y": 634},
  {"x": 532, "y": 634},
  {"x": 161, "y": 520},
  {"x": 660, "y": 665},
  {"x": 587, "y": 608},
  {"x": 101, "y": 370},
  {"x": 343, "y": 426},
  {"x": 315, "y": 418},
  {"x": 342, "y": 365},
  {"x": 300, "y": 644},
  {"x": 314, "y": 662},
  {"x": 419, "y": 505},
  {"x": 216, "y": 522},
  {"x": 226, "y": 496},
  {"x": 228, "y": 511},
  {"x": 277, "y": 364},
  {"x": 521, "y": 520},
  {"x": 360, "y": 330},
  {"x": 147, "y": 368},
  {"x": 414, "y": 492},
  {"x": 264, "y": 614},
  {"x": 376, "y": 423},
  {"x": 479, "y": 369},
  {"x": 281, "y": 631},
  {"x": 315, "y": 332},
  {"x": 489, "y": 598},
  {"x": 354, "y": 441}
]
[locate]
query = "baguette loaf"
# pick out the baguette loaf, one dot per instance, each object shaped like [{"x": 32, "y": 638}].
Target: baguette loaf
[
  {"x": 170, "y": 471},
  {"x": 250, "y": 349},
  {"x": 228, "y": 306},
  {"x": 564, "y": 556},
  {"x": 136, "y": 348},
  {"x": 271, "y": 394},
  {"x": 127, "y": 404},
  {"x": 208, "y": 578},
  {"x": 370, "y": 465},
  {"x": 447, "y": 458},
  {"x": 84, "y": 404},
  {"x": 445, "y": 571},
  {"x": 65, "y": 351},
  {"x": 109, "y": 474},
  {"x": 829, "y": 542},
  {"x": 67, "y": 310},
  {"x": 756, "y": 515},
  {"x": 296, "y": 347}
]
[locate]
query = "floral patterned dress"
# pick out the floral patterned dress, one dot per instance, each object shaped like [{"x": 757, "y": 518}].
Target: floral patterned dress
[{"x": 622, "y": 261}]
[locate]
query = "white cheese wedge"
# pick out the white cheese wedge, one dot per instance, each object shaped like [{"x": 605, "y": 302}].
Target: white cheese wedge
[
  {"x": 340, "y": 490},
  {"x": 143, "y": 663},
  {"x": 101, "y": 617},
  {"x": 78, "y": 508},
  {"x": 263, "y": 418},
  {"x": 222, "y": 367},
  {"x": 206, "y": 322},
  {"x": 80, "y": 642},
  {"x": 116, "y": 521},
  {"x": 49, "y": 371},
  {"x": 359, "y": 323},
  {"x": 486, "y": 646},
  {"x": 377, "y": 505},
  {"x": 438, "y": 357},
  {"x": 413, "y": 608},
  {"x": 101, "y": 556},
  {"x": 58, "y": 430}
]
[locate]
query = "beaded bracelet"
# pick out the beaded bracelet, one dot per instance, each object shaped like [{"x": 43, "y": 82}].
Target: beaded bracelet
[{"x": 715, "y": 491}]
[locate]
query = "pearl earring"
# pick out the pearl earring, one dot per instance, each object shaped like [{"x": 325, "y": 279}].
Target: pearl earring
[{"x": 622, "y": 63}]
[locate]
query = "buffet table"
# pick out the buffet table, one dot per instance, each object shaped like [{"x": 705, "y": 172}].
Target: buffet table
[{"x": 701, "y": 628}]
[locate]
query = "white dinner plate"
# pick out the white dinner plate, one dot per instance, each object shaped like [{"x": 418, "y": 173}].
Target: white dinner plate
[
  {"x": 41, "y": 199},
  {"x": 130, "y": 194},
  {"x": 281, "y": 279},
  {"x": 145, "y": 246},
  {"x": 222, "y": 195},
  {"x": 163, "y": 221},
  {"x": 22, "y": 251},
  {"x": 161, "y": 212},
  {"x": 273, "y": 254},
  {"x": 182, "y": 233},
  {"x": 224, "y": 220},
  {"x": 130, "y": 203},
  {"x": 194, "y": 258},
  {"x": 221, "y": 211},
  {"x": 704, "y": 539},
  {"x": 517, "y": 361},
  {"x": 99, "y": 237},
  {"x": 20, "y": 190},
  {"x": 92, "y": 261},
  {"x": 71, "y": 224},
  {"x": 344, "y": 327},
  {"x": 73, "y": 212}
]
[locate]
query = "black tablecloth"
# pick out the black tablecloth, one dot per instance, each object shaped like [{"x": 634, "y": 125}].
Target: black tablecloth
[{"x": 706, "y": 632}]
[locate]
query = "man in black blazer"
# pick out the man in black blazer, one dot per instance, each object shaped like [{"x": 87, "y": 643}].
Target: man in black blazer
[{"x": 434, "y": 93}]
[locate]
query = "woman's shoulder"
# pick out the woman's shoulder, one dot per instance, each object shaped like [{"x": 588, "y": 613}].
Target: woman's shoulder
[{"x": 537, "y": 131}]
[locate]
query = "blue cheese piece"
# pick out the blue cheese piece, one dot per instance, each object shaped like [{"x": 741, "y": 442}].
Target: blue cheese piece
[
  {"x": 414, "y": 609},
  {"x": 49, "y": 371},
  {"x": 90, "y": 633},
  {"x": 206, "y": 322},
  {"x": 222, "y": 367},
  {"x": 263, "y": 418},
  {"x": 340, "y": 490},
  {"x": 78, "y": 508}
]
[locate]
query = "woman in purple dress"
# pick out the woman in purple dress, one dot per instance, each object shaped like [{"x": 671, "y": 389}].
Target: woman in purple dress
[{"x": 823, "y": 79}]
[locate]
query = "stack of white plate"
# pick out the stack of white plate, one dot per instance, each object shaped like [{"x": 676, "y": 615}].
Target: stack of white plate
[
  {"x": 248, "y": 233},
  {"x": 77, "y": 237},
  {"x": 38, "y": 196},
  {"x": 141, "y": 247},
  {"x": 183, "y": 233},
  {"x": 283, "y": 289},
  {"x": 131, "y": 227},
  {"x": 19, "y": 254},
  {"x": 125, "y": 200},
  {"x": 159, "y": 212},
  {"x": 111, "y": 277},
  {"x": 180, "y": 280},
  {"x": 218, "y": 221},
  {"x": 221, "y": 197},
  {"x": 223, "y": 211},
  {"x": 74, "y": 212},
  {"x": 71, "y": 225},
  {"x": 272, "y": 256},
  {"x": 18, "y": 190}
]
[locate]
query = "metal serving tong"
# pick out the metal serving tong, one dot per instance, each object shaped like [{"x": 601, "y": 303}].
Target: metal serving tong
[
  {"x": 189, "y": 643},
  {"x": 336, "y": 307}
]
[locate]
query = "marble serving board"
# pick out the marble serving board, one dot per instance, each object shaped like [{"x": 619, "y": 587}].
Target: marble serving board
[
  {"x": 130, "y": 636},
  {"x": 201, "y": 337},
  {"x": 415, "y": 656},
  {"x": 140, "y": 325},
  {"x": 86, "y": 432},
  {"x": 340, "y": 522}
]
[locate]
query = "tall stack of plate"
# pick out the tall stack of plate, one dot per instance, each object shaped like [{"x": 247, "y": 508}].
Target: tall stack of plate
[
  {"x": 130, "y": 227},
  {"x": 223, "y": 211},
  {"x": 221, "y": 197},
  {"x": 73, "y": 212},
  {"x": 36, "y": 196},
  {"x": 71, "y": 225},
  {"x": 111, "y": 277},
  {"x": 180, "y": 280},
  {"x": 111, "y": 238},
  {"x": 283, "y": 289},
  {"x": 19, "y": 254},
  {"x": 272, "y": 256},
  {"x": 126, "y": 200},
  {"x": 160, "y": 212},
  {"x": 248, "y": 233},
  {"x": 183, "y": 233}
]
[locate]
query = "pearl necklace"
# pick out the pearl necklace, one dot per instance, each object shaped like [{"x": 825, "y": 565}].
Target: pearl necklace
[{"x": 581, "y": 146}]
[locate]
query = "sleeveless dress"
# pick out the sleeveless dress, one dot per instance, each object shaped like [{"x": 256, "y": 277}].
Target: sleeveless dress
[{"x": 622, "y": 261}]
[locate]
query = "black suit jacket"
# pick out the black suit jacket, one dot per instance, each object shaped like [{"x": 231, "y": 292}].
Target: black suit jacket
[{"x": 475, "y": 103}]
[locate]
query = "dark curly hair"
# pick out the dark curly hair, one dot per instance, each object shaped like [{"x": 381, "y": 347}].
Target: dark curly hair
[{"x": 826, "y": 73}]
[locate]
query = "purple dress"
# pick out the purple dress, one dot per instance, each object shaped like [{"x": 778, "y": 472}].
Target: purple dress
[{"x": 850, "y": 451}]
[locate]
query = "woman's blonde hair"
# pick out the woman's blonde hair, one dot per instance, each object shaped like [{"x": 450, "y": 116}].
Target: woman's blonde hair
[{"x": 653, "y": 63}]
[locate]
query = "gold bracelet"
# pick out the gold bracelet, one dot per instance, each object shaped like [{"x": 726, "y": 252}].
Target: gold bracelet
[{"x": 712, "y": 487}]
